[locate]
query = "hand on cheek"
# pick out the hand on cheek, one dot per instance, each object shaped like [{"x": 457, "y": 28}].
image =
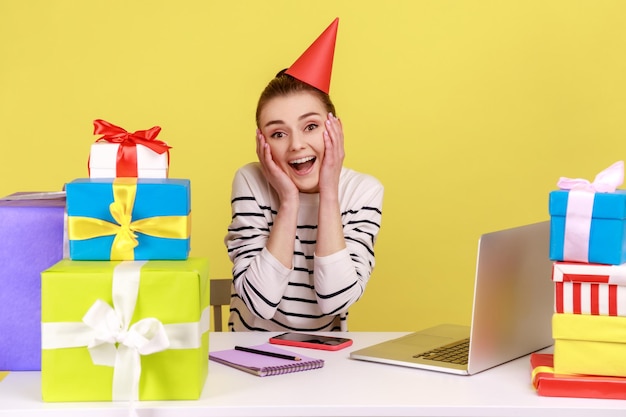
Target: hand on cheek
[
  {"x": 283, "y": 185},
  {"x": 334, "y": 153}
]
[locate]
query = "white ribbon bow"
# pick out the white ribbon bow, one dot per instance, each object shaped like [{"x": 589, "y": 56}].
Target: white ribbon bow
[
  {"x": 115, "y": 345},
  {"x": 115, "y": 342},
  {"x": 580, "y": 208},
  {"x": 606, "y": 181}
]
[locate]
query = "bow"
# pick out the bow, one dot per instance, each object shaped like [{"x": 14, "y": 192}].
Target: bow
[
  {"x": 119, "y": 346},
  {"x": 115, "y": 343},
  {"x": 127, "y": 151},
  {"x": 606, "y": 181}
]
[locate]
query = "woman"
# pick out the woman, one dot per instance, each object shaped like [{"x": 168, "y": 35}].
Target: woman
[{"x": 303, "y": 227}]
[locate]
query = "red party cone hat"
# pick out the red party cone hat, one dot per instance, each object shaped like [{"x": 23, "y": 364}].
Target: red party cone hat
[{"x": 315, "y": 65}]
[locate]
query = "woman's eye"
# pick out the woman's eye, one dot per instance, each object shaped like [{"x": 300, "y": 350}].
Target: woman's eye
[
  {"x": 311, "y": 126},
  {"x": 277, "y": 135}
]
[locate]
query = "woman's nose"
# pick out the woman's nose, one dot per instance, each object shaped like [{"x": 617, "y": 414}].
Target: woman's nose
[{"x": 297, "y": 141}]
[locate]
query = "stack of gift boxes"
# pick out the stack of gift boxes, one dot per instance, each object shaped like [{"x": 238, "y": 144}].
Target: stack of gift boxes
[
  {"x": 588, "y": 245},
  {"x": 126, "y": 315}
]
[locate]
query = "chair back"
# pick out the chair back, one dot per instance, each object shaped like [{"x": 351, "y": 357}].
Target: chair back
[{"x": 219, "y": 296}]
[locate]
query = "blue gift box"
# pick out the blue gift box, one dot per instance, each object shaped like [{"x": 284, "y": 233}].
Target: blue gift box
[
  {"x": 129, "y": 219},
  {"x": 31, "y": 241},
  {"x": 607, "y": 236}
]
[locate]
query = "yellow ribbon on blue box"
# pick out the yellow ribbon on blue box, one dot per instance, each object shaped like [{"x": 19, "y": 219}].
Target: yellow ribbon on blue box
[
  {"x": 124, "y": 331},
  {"x": 129, "y": 219},
  {"x": 589, "y": 345}
]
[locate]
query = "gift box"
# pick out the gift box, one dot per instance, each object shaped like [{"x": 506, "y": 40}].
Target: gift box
[
  {"x": 588, "y": 220},
  {"x": 129, "y": 219},
  {"x": 551, "y": 384},
  {"x": 103, "y": 162},
  {"x": 595, "y": 289},
  {"x": 31, "y": 240},
  {"x": 589, "y": 345},
  {"x": 119, "y": 153},
  {"x": 606, "y": 242},
  {"x": 124, "y": 330}
]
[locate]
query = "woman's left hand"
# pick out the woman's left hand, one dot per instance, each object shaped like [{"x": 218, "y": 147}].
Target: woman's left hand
[{"x": 334, "y": 155}]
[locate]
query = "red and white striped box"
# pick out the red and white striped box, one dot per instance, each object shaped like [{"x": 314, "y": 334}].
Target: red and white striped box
[{"x": 595, "y": 289}]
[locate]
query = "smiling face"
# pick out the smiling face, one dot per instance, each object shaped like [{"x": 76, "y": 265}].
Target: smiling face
[{"x": 293, "y": 127}]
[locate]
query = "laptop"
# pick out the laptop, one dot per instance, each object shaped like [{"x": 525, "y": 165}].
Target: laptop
[{"x": 511, "y": 314}]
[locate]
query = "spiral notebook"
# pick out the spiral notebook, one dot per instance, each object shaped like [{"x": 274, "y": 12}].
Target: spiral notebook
[{"x": 262, "y": 365}]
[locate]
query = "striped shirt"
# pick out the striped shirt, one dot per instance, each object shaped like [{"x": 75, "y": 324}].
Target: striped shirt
[{"x": 316, "y": 293}]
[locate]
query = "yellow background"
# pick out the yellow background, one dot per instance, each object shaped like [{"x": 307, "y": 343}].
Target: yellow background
[{"x": 467, "y": 111}]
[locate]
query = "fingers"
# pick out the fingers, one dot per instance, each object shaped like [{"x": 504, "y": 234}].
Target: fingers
[
  {"x": 263, "y": 152},
  {"x": 333, "y": 137},
  {"x": 334, "y": 129},
  {"x": 259, "y": 142},
  {"x": 261, "y": 146}
]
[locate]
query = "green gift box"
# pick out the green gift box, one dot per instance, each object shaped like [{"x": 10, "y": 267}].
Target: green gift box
[{"x": 124, "y": 330}]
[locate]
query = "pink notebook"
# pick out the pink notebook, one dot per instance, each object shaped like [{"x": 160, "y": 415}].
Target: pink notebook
[{"x": 262, "y": 365}]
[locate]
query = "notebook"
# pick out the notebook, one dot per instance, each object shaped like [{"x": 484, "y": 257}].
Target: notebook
[
  {"x": 262, "y": 365},
  {"x": 511, "y": 314}
]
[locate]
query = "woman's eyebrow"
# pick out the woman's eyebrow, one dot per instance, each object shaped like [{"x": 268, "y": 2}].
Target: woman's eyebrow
[
  {"x": 305, "y": 115},
  {"x": 274, "y": 122},
  {"x": 281, "y": 122}
]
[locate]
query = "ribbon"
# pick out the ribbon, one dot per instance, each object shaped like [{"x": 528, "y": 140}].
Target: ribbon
[
  {"x": 118, "y": 344},
  {"x": 540, "y": 370},
  {"x": 125, "y": 229},
  {"x": 580, "y": 208},
  {"x": 126, "y": 165},
  {"x": 112, "y": 341}
]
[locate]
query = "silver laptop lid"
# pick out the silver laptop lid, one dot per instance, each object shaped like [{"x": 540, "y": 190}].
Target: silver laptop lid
[
  {"x": 513, "y": 296},
  {"x": 512, "y": 308}
]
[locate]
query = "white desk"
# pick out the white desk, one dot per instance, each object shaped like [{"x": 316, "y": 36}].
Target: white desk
[{"x": 344, "y": 387}]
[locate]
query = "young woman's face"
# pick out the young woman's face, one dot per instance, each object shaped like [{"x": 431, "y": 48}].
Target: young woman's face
[{"x": 293, "y": 126}]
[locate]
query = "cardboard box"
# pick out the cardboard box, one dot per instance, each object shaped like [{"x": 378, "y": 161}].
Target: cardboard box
[
  {"x": 129, "y": 219},
  {"x": 589, "y": 345},
  {"x": 551, "y": 384},
  {"x": 605, "y": 241},
  {"x": 31, "y": 240},
  {"x": 145, "y": 296},
  {"x": 103, "y": 161},
  {"x": 595, "y": 289}
]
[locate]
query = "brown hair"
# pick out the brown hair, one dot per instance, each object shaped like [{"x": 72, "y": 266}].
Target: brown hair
[{"x": 284, "y": 85}]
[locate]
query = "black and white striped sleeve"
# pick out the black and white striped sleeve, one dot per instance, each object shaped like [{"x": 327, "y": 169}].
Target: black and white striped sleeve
[
  {"x": 259, "y": 279},
  {"x": 341, "y": 278}
]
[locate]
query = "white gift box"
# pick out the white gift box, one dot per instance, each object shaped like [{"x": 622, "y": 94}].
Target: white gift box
[
  {"x": 103, "y": 161},
  {"x": 593, "y": 289}
]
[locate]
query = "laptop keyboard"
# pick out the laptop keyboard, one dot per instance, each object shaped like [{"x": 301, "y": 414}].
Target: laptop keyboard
[{"x": 455, "y": 352}]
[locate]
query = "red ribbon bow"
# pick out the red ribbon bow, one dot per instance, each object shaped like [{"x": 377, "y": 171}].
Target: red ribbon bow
[{"x": 126, "y": 165}]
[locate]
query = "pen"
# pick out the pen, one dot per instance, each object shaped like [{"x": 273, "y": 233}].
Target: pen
[{"x": 266, "y": 353}]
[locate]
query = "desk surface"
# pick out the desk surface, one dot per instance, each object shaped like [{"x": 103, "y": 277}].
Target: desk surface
[{"x": 343, "y": 387}]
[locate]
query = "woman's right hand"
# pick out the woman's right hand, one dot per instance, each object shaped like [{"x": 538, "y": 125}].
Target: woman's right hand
[{"x": 277, "y": 178}]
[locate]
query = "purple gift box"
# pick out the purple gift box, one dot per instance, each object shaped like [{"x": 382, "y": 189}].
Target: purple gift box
[{"x": 31, "y": 241}]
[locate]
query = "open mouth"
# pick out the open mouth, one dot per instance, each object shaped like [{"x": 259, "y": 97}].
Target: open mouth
[{"x": 303, "y": 165}]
